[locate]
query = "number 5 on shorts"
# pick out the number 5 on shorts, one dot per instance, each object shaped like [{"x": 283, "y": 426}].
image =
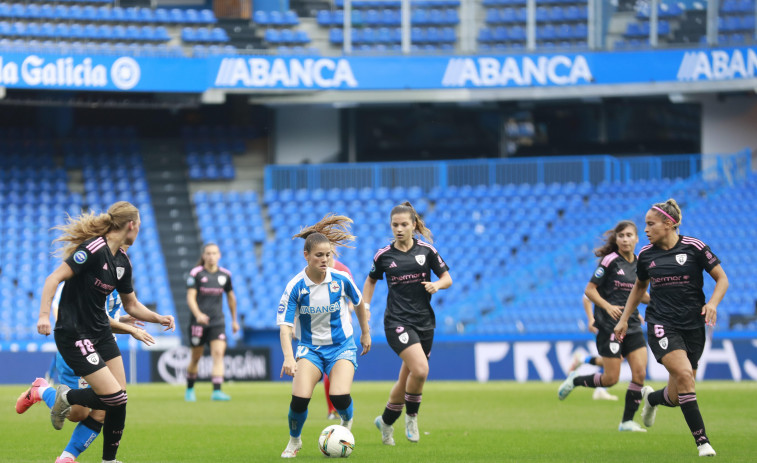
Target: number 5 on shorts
[{"x": 659, "y": 331}]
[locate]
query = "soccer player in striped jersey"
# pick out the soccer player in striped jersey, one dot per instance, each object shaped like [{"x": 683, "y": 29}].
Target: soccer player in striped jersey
[
  {"x": 335, "y": 264},
  {"x": 314, "y": 309},
  {"x": 608, "y": 289},
  {"x": 206, "y": 285},
  {"x": 678, "y": 314},
  {"x": 95, "y": 264},
  {"x": 409, "y": 320}
]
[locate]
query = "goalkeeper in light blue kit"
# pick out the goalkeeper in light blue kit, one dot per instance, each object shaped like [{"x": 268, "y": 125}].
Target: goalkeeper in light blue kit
[
  {"x": 315, "y": 308},
  {"x": 90, "y": 422}
]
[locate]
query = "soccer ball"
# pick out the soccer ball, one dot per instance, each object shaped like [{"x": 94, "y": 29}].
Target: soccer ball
[{"x": 336, "y": 441}]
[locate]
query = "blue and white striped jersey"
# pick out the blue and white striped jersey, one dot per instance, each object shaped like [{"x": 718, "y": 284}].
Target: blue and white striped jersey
[
  {"x": 319, "y": 313},
  {"x": 113, "y": 304}
]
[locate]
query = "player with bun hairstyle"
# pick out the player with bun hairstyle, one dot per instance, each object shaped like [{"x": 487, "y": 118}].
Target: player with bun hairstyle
[
  {"x": 94, "y": 265},
  {"x": 314, "y": 308},
  {"x": 409, "y": 320},
  {"x": 206, "y": 285},
  {"x": 678, "y": 313},
  {"x": 608, "y": 289}
]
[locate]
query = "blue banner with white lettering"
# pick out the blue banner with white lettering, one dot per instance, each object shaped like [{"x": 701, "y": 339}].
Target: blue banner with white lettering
[{"x": 264, "y": 73}]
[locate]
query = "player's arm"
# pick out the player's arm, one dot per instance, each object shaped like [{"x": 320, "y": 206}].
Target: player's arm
[
  {"x": 136, "y": 309},
  {"x": 586, "y": 302},
  {"x": 62, "y": 273},
  {"x": 368, "y": 288},
  {"x": 639, "y": 288},
  {"x": 201, "y": 318},
  {"x": 444, "y": 282},
  {"x": 710, "y": 310},
  {"x": 232, "y": 300},
  {"x": 612, "y": 310},
  {"x": 290, "y": 365},
  {"x": 136, "y": 332}
]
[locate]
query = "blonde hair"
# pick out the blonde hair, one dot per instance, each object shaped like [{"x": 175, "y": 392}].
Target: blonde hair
[
  {"x": 672, "y": 209},
  {"x": 420, "y": 225},
  {"x": 89, "y": 225},
  {"x": 333, "y": 229}
]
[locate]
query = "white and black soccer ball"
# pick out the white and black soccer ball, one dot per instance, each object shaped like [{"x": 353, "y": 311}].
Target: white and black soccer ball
[{"x": 336, "y": 441}]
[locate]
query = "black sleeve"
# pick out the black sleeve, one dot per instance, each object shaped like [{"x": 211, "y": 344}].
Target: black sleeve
[
  {"x": 377, "y": 272},
  {"x": 125, "y": 285},
  {"x": 81, "y": 258},
  {"x": 706, "y": 258},
  {"x": 437, "y": 264},
  {"x": 642, "y": 269},
  {"x": 599, "y": 275},
  {"x": 227, "y": 287}
]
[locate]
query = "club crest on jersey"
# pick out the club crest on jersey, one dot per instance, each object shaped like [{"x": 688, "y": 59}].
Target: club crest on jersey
[
  {"x": 334, "y": 287},
  {"x": 93, "y": 358},
  {"x": 80, "y": 257},
  {"x": 599, "y": 272},
  {"x": 120, "y": 272},
  {"x": 191, "y": 281},
  {"x": 664, "y": 342},
  {"x": 221, "y": 280},
  {"x": 404, "y": 338},
  {"x": 681, "y": 259},
  {"x": 282, "y": 307},
  {"x": 614, "y": 347},
  {"x": 420, "y": 259}
]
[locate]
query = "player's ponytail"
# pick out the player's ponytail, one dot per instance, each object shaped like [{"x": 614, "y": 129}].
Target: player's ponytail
[
  {"x": 89, "y": 225},
  {"x": 669, "y": 210},
  {"x": 420, "y": 226},
  {"x": 333, "y": 229},
  {"x": 610, "y": 238}
]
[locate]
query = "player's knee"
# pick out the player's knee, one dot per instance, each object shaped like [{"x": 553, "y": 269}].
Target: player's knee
[
  {"x": 97, "y": 415},
  {"x": 609, "y": 380},
  {"x": 341, "y": 402},
  {"x": 420, "y": 372},
  {"x": 78, "y": 413},
  {"x": 299, "y": 404}
]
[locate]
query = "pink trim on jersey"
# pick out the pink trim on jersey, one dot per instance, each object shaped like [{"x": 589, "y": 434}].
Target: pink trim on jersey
[
  {"x": 96, "y": 245},
  {"x": 694, "y": 242},
  {"x": 196, "y": 270},
  {"x": 423, "y": 243},
  {"x": 381, "y": 251},
  {"x": 645, "y": 248},
  {"x": 609, "y": 258},
  {"x": 227, "y": 271}
]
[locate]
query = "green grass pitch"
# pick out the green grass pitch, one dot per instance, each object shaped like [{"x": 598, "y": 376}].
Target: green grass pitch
[{"x": 459, "y": 422}]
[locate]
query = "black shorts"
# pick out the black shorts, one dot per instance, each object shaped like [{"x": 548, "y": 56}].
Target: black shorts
[
  {"x": 664, "y": 339},
  {"x": 86, "y": 355},
  {"x": 608, "y": 346},
  {"x": 203, "y": 334},
  {"x": 402, "y": 337}
]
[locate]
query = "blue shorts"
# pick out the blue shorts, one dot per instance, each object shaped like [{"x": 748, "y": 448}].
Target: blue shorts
[
  {"x": 324, "y": 357},
  {"x": 67, "y": 376}
]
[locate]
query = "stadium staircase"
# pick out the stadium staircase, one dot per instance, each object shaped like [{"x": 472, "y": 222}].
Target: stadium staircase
[{"x": 177, "y": 227}]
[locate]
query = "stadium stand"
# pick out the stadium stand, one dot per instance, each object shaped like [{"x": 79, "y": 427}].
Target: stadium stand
[{"x": 531, "y": 282}]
